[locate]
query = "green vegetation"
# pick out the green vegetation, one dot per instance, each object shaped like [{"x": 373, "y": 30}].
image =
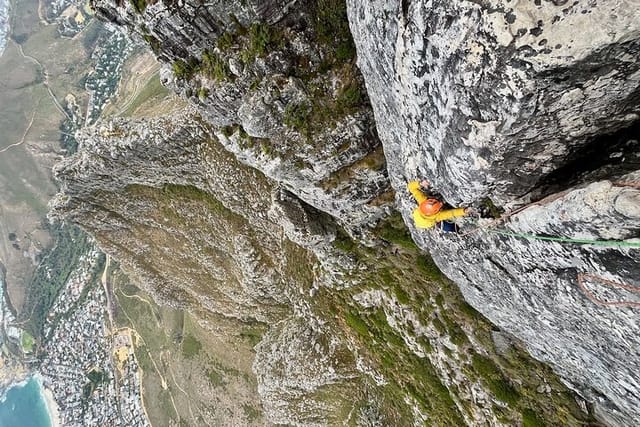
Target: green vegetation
[
  {"x": 253, "y": 333},
  {"x": 262, "y": 38},
  {"x": 226, "y": 41},
  {"x": 350, "y": 96},
  {"x": 393, "y": 230},
  {"x": 429, "y": 268},
  {"x": 297, "y": 116},
  {"x": 203, "y": 93},
  {"x": 96, "y": 378},
  {"x": 357, "y": 324},
  {"x": 27, "y": 342},
  {"x": 216, "y": 379},
  {"x": 251, "y": 413},
  {"x": 190, "y": 346},
  {"x": 139, "y": 5},
  {"x": 494, "y": 379},
  {"x": 530, "y": 419},
  {"x": 152, "y": 90},
  {"x": 183, "y": 70},
  {"x": 402, "y": 272},
  {"x": 52, "y": 274},
  {"x": 332, "y": 28},
  {"x": 214, "y": 67}
]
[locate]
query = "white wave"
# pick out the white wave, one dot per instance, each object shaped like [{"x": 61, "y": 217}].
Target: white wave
[{"x": 4, "y": 24}]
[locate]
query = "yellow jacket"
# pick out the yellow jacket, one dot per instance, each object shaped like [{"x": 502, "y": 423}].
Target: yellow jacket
[{"x": 428, "y": 221}]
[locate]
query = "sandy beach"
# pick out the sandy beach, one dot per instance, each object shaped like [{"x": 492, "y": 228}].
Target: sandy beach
[{"x": 52, "y": 406}]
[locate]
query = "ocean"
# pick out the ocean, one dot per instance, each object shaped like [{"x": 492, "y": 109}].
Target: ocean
[{"x": 24, "y": 406}]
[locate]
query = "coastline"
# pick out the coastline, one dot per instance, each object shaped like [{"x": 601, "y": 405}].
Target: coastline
[
  {"x": 4, "y": 24},
  {"x": 52, "y": 406}
]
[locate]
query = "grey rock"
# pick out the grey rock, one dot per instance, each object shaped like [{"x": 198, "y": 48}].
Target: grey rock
[{"x": 466, "y": 99}]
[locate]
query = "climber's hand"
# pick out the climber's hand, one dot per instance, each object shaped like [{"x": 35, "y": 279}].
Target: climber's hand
[
  {"x": 470, "y": 211},
  {"x": 424, "y": 183}
]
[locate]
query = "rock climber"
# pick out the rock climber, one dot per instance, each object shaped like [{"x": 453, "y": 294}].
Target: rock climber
[{"x": 429, "y": 212}]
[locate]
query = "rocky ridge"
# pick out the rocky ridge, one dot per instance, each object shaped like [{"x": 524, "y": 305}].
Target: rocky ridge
[
  {"x": 246, "y": 78},
  {"x": 460, "y": 96}
]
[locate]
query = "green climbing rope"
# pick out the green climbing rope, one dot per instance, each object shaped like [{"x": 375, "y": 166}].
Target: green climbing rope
[{"x": 610, "y": 243}]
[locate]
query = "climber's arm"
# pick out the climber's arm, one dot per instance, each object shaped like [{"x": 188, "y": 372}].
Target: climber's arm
[
  {"x": 414, "y": 188},
  {"x": 449, "y": 214}
]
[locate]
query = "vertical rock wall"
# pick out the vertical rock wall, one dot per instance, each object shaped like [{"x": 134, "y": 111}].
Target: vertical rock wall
[{"x": 487, "y": 99}]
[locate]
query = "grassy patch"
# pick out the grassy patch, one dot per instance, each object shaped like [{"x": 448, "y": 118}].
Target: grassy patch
[
  {"x": 494, "y": 379},
  {"x": 216, "y": 379},
  {"x": 393, "y": 230},
  {"x": 139, "y": 5},
  {"x": 429, "y": 268},
  {"x": 331, "y": 26},
  {"x": 253, "y": 334},
  {"x": 190, "y": 346},
  {"x": 27, "y": 342},
  {"x": 530, "y": 419},
  {"x": 357, "y": 324},
  {"x": 152, "y": 90},
  {"x": 297, "y": 116},
  {"x": 214, "y": 67},
  {"x": 251, "y": 413}
]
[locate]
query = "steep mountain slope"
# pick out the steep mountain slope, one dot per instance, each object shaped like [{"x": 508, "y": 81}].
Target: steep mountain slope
[{"x": 245, "y": 205}]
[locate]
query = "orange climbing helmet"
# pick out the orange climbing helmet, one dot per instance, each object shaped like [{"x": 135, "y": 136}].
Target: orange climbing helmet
[{"x": 430, "y": 207}]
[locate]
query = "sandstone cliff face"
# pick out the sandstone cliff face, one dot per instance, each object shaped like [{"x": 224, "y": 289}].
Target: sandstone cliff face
[
  {"x": 280, "y": 146},
  {"x": 498, "y": 100}
]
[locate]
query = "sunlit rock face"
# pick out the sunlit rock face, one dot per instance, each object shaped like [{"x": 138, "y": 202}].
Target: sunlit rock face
[
  {"x": 491, "y": 97},
  {"x": 510, "y": 99}
]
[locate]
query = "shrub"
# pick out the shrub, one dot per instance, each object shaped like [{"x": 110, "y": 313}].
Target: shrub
[
  {"x": 215, "y": 67},
  {"x": 190, "y": 346},
  {"x": 428, "y": 267},
  {"x": 203, "y": 93},
  {"x": 350, "y": 96},
  {"x": 260, "y": 37},
  {"x": 297, "y": 116},
  {"x": 183, "y": 70},
  {"x": 225, "y": 41},
  {"x": 139, "y": 5},
  {"x": 494, "y": 379},
  {"x": 530, "y": 419},
  {"x": 357, "y": 324}
]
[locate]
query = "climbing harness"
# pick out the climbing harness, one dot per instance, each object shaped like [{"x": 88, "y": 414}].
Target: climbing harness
[{"x": 599, "y": 301}]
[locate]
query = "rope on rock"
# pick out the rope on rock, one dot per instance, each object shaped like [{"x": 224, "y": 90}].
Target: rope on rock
[
  {"x": 626, "y": 184},
  {"x": 608, "y": 243},
  {"x": 490, "y": 228},
  {"x": 599, "y": 301}
]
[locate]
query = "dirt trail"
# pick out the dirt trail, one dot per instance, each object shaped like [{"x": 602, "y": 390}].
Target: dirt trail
[{"x": 24, "y": 135}]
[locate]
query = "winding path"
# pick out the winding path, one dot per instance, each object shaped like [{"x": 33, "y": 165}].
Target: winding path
[
  {"x": 24, "y": 135},
  {"x": 45, "y": 80}
]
